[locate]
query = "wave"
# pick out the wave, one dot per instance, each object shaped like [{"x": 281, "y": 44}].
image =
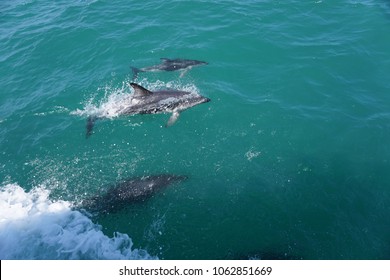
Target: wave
[{"x": 34, "y": 227}]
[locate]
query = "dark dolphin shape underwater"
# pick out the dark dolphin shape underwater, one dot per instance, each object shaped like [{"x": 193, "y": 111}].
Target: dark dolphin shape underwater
[
  {"x": 129, "y": 191},
  {"x": 144, "y": 101},
  {"x": 170, "y": 65}
]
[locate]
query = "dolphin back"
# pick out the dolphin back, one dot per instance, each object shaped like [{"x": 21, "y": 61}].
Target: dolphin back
[{"x": 129, "y": 191}]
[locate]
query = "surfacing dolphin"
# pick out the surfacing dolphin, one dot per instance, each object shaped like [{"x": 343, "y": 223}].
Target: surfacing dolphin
[
  {"x": 170, "y": 65},
  {"x": 144, "y": 101},
  {"x": 129, "y": 191}
]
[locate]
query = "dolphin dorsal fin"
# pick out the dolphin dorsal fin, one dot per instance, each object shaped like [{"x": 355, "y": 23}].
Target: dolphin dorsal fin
[{"x": 138, "y": 90}]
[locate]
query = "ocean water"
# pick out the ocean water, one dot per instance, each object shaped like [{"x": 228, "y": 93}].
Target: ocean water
[{"x": 289, "y": 160}]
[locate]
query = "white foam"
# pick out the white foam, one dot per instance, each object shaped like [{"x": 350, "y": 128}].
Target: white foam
[
  {"x": 252, "y": 153},
  {"x": 34, "y": 227},
  {"x": 114, "y": 100}
]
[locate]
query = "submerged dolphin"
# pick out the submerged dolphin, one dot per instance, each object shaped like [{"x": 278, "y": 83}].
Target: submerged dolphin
[
  {"x": 129, "y": 191},
  {"x": 144, "y": 101},
  {"x": 170, "y": 65}
]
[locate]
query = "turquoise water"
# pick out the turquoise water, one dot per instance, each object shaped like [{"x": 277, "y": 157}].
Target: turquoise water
[{"x": 290, "y": 159}]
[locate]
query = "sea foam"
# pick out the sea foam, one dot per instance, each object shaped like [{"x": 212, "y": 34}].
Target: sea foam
[{"x": 34, "y": 227}]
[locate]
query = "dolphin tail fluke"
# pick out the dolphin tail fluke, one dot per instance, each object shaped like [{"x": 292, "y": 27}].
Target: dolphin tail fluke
[
  {"x": 90, "y": 124},
  {"x": 135, "y": 72},
  {"x": 173, "y": 118}
]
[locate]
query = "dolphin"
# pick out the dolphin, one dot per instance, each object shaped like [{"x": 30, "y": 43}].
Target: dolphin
[
  {"x": 129, "y": 191},
  {"x": 144, "y": 101},
  {"x": 170, "y": 65}
]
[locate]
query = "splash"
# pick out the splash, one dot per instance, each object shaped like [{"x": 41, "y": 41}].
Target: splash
[
  {"x": 251, "y": 154},
  {"x": 114, "y": 100},
  {"x": 34, "y": 227}
]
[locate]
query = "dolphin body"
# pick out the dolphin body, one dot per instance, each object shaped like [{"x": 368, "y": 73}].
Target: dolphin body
[
  {"x": 129, "y": 191},
  {"x": 170, "y": 65},
  {"x": 144, "y": 101}
]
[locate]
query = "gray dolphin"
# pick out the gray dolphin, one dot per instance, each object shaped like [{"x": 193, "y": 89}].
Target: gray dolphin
[
  {"x": 170, "y": 65},
  {"x": 144, "y": 101},
  {"x": 129, "y": 191}
]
